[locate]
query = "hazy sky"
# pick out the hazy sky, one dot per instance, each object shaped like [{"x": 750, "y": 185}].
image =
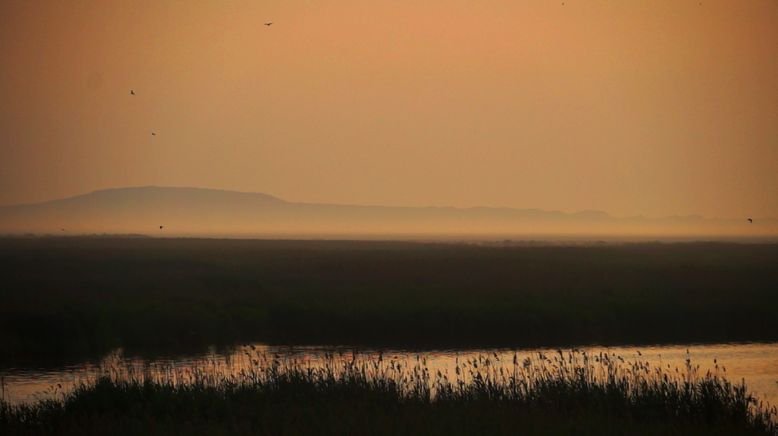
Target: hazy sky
[{"x": 631, "y": 107}]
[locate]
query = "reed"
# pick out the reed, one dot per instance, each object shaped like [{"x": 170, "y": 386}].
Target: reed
[{"x": 560, "y": 393}]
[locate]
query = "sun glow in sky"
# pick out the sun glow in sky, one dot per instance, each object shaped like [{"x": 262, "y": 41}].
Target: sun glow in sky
[{"x": 640, "y": 107}]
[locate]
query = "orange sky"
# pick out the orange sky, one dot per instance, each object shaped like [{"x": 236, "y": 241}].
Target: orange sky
[{"x": 631, "y": 107}]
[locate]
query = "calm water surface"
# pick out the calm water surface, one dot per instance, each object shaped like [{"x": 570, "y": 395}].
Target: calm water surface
[{"x": 757, "y": 364}]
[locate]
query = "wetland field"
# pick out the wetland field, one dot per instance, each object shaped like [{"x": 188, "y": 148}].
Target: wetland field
[{"x": 387, "y": 337}]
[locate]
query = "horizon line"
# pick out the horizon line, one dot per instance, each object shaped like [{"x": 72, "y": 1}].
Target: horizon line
[{"x": 282, "y": 199}]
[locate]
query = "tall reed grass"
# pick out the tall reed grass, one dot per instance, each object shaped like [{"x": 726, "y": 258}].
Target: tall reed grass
[{"x": 565, "y": 392}]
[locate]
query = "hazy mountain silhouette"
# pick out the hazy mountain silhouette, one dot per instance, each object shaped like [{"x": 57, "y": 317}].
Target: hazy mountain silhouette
[{"x": 195, "y": 211}]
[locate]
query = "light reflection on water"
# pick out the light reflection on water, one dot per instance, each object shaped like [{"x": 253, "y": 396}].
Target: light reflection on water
[{"x": 757, "y": 364}]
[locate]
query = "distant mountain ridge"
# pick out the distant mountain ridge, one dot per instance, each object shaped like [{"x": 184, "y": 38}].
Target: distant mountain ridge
[
  {"x": 201, "y": 211},
  {"x": 148, "y": 192}
]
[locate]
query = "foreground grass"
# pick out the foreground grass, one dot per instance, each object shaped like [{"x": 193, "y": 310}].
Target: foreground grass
[{"x": 571, "y": 393}]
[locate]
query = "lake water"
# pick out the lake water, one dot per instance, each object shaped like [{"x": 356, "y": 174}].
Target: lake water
[{"x": 757, "y": 364}]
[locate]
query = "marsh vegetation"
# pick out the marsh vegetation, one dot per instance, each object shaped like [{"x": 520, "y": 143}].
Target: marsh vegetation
[
  {"x": 86, "y": 296},
  {"x": 564, "y": 392}
]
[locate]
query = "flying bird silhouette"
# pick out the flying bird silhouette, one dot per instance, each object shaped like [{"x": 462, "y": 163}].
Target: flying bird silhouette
[
  {"x": 132, "y": 92},
  {"x": 269, "y": 23},
  {"x": 161, "y": 227},
  {"x": 153, "y": 134},
  {"x": 750, "y": 221}
]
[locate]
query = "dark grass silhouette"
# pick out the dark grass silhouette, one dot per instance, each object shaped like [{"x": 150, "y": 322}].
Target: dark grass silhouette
[
  {"x": 84, "y": 296},
  {"x": 565, "y": 393}
]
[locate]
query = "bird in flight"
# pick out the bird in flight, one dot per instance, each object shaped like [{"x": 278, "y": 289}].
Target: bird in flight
[
  {"x": 132, "y": 92},
  {"x": 750, "y": 221},
  {"x": 153, "y": 134},
  {"x": 161, "y": 227},
  {"x": 269, "y": 23}
]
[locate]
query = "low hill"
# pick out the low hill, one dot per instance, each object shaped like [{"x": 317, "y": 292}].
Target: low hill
[{"x": 210, "y": 212}]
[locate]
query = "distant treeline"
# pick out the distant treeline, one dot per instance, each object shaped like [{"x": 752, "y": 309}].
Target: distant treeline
[{"x": 84, "y": 296}]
